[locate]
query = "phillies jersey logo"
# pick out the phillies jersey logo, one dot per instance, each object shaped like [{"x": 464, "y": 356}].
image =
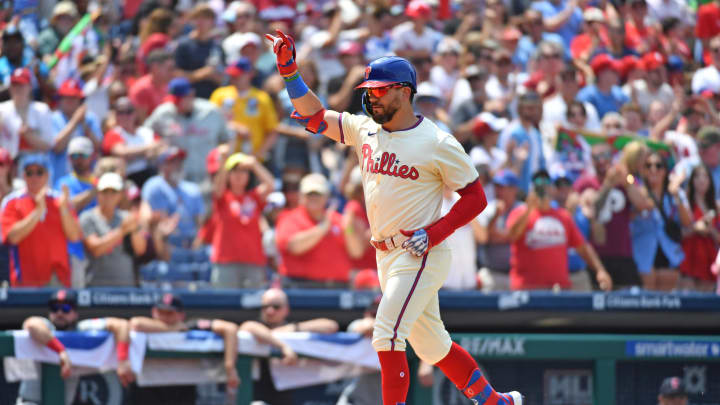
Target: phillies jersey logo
[
  {"x": 386, "y": 164},
  {"x": 367, "y": 72}
]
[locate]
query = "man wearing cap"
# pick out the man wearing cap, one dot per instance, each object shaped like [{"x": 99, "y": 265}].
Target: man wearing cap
[
  {"x": 605, "y": 94},
  {"x": 150, "y": 90},
  {"x": 16, "y": 55},
  {"x": 653, "y": 86},
  {"x": 532, "y": 21},
  {"x": 63, "y": 316},
  {"x": 168, "y": 315},
  {"x": 311, "y": 236},
  {"x": 191, "y": 123},
  {"x": 595, "y": 35},
  {"x": 64, "y": 17},
  {"x": 250, "y": 112},
  {"x": 199, "y": 57},
  {"x": 168, "y": 194},
  {"x": 71, "y": 119},
  {"x": 493, "y": 238},
  {"x": 672, "y": 392},
  {"x": 106, "y": 229},
  {"x": 25, "y": 124},
  {"x": 136, "y": 145},
  {"x": 341, "y": 94},
  {"x": 38, "y": 223},
  {"x": 429, "y": 103},
  {"x": 414, "y": 38},
  {"x": 462, "y": 115},
  {"x": 81, "y": 184}
]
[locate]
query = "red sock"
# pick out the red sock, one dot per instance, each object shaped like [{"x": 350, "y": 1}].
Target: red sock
[
  {"x": 395, "y": 376},
  {"x": 459, "y": 366}
]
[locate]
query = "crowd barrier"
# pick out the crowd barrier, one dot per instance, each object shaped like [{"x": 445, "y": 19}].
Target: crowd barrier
[
  {"x": 464, "y": 311},
  {"x": 550, "y": 369}
]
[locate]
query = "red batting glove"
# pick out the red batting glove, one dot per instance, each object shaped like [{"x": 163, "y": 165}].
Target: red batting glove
[{"x": 284, "y": 48}]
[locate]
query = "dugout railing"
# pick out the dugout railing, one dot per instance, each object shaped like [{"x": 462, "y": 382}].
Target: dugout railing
[{"x": 602, "y": 351}]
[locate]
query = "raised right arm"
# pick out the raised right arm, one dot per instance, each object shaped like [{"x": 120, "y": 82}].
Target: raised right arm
[{"x": 306, "y": 103}]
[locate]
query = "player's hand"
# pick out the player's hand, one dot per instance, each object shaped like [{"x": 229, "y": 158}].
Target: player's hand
[
  {"x": 284, "y": 49},
  {"x": 124, "y": 373},
  {"x": 417, "y": 243},
  {"x": 65, "y": 364}
]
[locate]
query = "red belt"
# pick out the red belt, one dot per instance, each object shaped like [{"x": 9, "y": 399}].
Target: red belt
[{"x": 387, "y": 244}]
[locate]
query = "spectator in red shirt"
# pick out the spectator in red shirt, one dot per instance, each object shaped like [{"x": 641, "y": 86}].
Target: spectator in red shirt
[
  {"x": 356, "y": 219},
  {"x": 708, "y": 24},
  {"x": 639, "y": 36},
  {"x": 541, "y": 236},
  {"x": 314, "y": 245},
  {"x": 151, "y": 90},
  {"x": 38, "y": 223},
  {"x": 238, "y": 257}
]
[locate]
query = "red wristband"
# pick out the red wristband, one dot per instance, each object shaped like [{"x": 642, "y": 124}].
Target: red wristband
[
  {"x": 55, "y": 345},
  {"x": 122, "y": 351}
]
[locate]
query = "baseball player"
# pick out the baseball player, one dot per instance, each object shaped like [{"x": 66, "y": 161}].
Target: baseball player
[{"x": 405, "y": 161}]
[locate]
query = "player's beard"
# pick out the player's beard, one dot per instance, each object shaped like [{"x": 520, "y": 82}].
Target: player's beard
[{"x": 385, "y": 114}]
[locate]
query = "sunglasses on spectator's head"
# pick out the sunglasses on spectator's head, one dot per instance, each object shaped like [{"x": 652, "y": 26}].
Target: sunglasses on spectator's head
[
  {"x": 379, "y": 92},
  {"x": 64, "y": 307},
  {"x": 37, "y": 172}
]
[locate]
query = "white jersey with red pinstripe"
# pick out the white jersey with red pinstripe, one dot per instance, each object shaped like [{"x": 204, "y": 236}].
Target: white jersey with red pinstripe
[{"x": 403, "y": 175}]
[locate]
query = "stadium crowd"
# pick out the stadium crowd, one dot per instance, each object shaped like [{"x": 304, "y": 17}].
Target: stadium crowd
[{"x": 150, "y": 143}]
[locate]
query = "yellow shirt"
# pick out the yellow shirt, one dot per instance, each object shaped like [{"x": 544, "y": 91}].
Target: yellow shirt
[{"x": 255, "y": 110}]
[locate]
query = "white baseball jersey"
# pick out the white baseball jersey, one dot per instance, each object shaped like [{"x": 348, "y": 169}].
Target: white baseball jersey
[{"x": 403, "y": 172}]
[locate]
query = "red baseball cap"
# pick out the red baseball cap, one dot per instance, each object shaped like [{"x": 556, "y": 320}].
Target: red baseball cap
[
  {"x": 71, "y": 88},
  {"x": 350, "y": 48},
  {"x": 212, "y": 161},
  {"x": 418, "y": 9},
  {"x": 653, "y": 60},
  {"x": 366, "y": 279},
  {"x": 20, "y": 76},
  {"x": 630, "y": 63},
  {"x": 605, "y": 61}
]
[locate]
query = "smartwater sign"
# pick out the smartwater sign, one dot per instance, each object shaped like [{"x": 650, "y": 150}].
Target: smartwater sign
[{"x": 660, "y": 349}]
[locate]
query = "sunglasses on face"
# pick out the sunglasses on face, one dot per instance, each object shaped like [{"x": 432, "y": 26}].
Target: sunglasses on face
[
  {"x": 125, "y": 112},
  {"x": 379, "y": 92},
  {"x": 64, "y": 308},
  {"x": 79, "y": 156},
  {"x": 551, "y": 56},
  {"x": 656, "y": 165},
  {"x": 36, "y": 172},
  {"x": 602, "y": 156},
  {"x": 273, "y": 306}
]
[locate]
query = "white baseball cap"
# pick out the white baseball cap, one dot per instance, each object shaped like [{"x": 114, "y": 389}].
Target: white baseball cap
[
  {"x": 110, "y": 181},
  {"x": 81, "y": 145},
  {"x": 314, "y": 183},
  {"x": 497, "y": 124}
]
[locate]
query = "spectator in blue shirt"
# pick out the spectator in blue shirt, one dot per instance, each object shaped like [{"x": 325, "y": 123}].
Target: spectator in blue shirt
[
  {"x": 16, "y": 55},
  {"x": 534, "y": 34},
  {"x": 168, "y": 195},
  {"x": 522, "y": 139},
  {"x": 605, "y": 95},
  {"x": 562, "y": 17},
  {"x": 69, "y": 121}
]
